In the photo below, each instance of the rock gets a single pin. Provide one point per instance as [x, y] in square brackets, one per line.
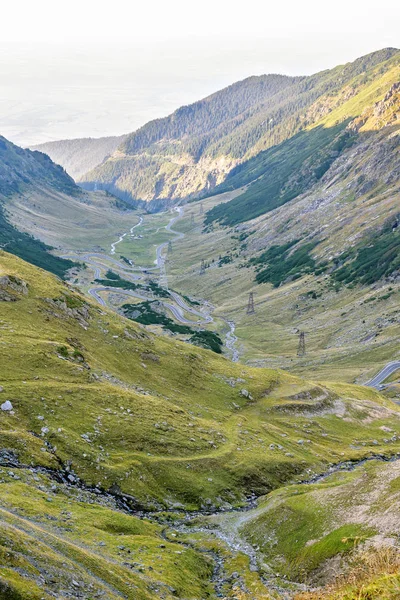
[1, 389]
[11, 288]
[384, 428]
[6, 406]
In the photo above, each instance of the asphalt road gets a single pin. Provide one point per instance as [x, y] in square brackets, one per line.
[177, 310]
[390, 368]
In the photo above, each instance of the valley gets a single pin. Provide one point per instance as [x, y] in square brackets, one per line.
[200, 349]
[182, 310]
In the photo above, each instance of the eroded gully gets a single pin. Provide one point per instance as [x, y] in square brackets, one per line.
[222, 524]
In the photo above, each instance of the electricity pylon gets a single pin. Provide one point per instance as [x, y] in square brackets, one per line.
[250, 305]
[301, 350]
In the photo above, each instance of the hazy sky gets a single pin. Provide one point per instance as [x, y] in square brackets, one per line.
[83, 67]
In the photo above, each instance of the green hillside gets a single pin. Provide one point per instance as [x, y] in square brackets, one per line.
[281, 173]
[325, 262]
[290, 168]
[102, 421]
[22, 171]
[41, 208]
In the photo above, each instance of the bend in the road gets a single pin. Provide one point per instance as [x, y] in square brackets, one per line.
[387, 371]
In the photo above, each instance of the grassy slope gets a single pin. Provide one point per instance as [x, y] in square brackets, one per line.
[349, 333]
[301, 529]
[31, 249]
[373, 574]
[90, 222]
[351, 330]
[184, 392]
[287, 170]
[165, 422]
[56, 539]
[39, 200]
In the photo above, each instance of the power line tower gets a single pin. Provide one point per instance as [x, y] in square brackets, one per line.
[169, 246]
[301, 350]
[202, 267]
[201, 208]
[250, 306]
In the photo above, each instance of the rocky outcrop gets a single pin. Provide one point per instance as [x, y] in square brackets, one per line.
[12, 288]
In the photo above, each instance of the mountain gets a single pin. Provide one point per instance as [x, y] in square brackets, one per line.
[289, 169]
[134, 465]
[316, 240]
[41, 207]
[223, 139]
[24, 172]
[130, 463]
[79, 156]
[20, 168]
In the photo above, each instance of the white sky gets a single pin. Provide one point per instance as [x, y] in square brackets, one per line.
[85, 67]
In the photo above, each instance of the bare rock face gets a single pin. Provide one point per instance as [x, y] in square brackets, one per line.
[11, 288]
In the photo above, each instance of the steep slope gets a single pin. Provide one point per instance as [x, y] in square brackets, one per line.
[81, 155]
[326, 262]
[193, 150]
[23, 172]
[100, 418]
[282, 173]
[316, 526]
[19, 168]
[40, 201]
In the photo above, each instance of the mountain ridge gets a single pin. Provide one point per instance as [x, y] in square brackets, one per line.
[193, 150]
[80, 155]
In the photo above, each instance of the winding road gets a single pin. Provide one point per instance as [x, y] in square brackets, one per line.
[100, 262]
[383, 374]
